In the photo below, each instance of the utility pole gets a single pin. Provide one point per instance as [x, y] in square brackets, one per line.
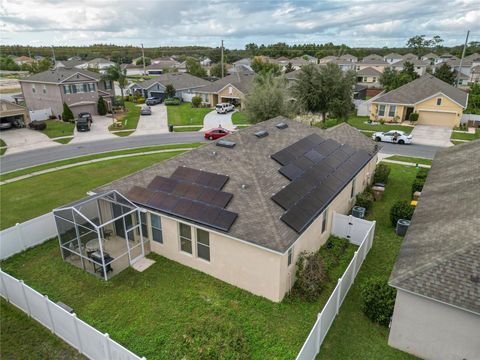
[54, 59]
[221, 62]
[143, 59]
[461, 60]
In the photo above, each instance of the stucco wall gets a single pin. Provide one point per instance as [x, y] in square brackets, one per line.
[400, 112]
[447, 106]
[432, 330]
[230, 92]
[39, 100]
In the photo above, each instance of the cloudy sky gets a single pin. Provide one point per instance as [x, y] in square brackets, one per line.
[158, 23]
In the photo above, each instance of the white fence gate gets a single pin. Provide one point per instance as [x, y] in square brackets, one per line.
[362, 106]
[30, 233]
[86, 339]
[343, 226]
[39, 115]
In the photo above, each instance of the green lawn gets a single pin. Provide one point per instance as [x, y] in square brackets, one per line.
[188, 128]
[50, 165]
[239, 118]
[129, 119]
[26, 199]
[64, 141]
[359, 123]
[23, 338]
[3, 147]
[184, 114]
[409, 159]
[353, 335]
[58, 128]
[465, 136]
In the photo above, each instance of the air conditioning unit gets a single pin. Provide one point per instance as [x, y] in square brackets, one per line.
[358, 212]
[402, 227]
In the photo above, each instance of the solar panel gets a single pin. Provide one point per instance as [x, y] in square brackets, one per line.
[201, 177]
[290, 171]
[314, 156]
[285, 199]
[139, 195]
[185, 173]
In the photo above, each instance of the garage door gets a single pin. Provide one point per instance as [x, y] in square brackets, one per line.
[83, 108]
[437, 118]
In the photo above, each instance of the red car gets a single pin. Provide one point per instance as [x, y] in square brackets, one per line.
[216, 133]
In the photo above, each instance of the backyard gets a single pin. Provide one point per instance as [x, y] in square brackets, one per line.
[185, 114]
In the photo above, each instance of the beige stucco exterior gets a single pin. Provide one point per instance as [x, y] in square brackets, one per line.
[258, 270]
[226, 94]
[378, 67]
[432, 330]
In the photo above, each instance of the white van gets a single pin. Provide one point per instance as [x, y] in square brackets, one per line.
[223, 108]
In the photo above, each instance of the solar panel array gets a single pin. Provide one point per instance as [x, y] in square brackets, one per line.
[319, 169]
[190, 194]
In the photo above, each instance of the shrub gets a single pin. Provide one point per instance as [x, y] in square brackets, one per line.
[172, 101]
[332, 251]
[196, 101]
[101, 106]
[38, 125]
[418, 185]
[170, 91]
[422, 173]
[378, 300]
[365, 199]
[401, 210]
[382, 121]
[67, 114]
[140, 100]
[311, 276]
[381, 173]
[413, 117]
[52, 117]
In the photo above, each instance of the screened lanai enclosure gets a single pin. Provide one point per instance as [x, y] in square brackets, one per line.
[102, 234]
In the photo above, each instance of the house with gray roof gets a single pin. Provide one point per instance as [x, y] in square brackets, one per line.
[437, 272]
[419, 66]
[369, 76]
[244, 208]
[392, 58]
[78, 88]
[432, 58]
[373, 61]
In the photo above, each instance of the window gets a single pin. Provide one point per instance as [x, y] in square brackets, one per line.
[108, 85]
[33, 88]
[374, 79]
[439, 101]
[143, 221]
[44, 89]
[352, 193]
[67, 89]
[91, 87]
[290, 256]
[203, 244]
[185, 238]
[324, 221]
[392, 110]
[381, 110]
[157, 234]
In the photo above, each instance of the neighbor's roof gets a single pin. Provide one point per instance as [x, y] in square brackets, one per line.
[393, 55]
[415, 62]
[240, 80]
[373, 60]
[440, 255]
[430, 56]
[178, 80]
[249, 164]
[59, 75]
[422, 88]
[347, 57]
[72, 63]
[472, 56]
[369, 71]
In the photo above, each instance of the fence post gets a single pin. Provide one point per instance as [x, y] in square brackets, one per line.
[318, 342]
[47, 301]
[339, 284]
[354, 266]
[4, 287]
[107, 344]
[79, 339]
[22, 284]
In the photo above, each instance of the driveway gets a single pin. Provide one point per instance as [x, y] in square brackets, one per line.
[153, 124]
[98, 131]
[432, 135]
[213, 120]
[19, 140]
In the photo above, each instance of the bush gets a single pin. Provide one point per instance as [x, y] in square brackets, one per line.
[381, 173]
[172, 101]
[311, 276]
[332, 251]
[52, 117]
[365, 199]
[418, 185]
[422, 173]
[38, 125]
[382, 121]
[67, 114]
[413, 117]
[170, 91]
[196, 101]
[401, 210]
[378, 300]
[140, 100]
[101, 106]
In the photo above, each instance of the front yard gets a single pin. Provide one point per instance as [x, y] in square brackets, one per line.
[128, 119]
[465, 136]
[185, 114]
[361, 123]
[58, 128]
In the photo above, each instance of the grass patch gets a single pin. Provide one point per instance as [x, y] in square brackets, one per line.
[239, 118]
[365, 339]
[58, 128]
[414, 160]
[359, 122]
[457, 142]
[32, 169]
[10, 90]
[465, 136]
[28, 198]
[188, 128]
[129, 119]
[184, 114]
[64, 141]
[24, 338]
[123, 133]
[3, 147]
[327, 123]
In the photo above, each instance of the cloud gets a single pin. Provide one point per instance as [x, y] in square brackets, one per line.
[202, 22]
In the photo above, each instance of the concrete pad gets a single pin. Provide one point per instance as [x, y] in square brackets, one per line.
[143, 264]
[19, 140]
[432, 135]
[98, 131]
[214, 120]
[156, 123]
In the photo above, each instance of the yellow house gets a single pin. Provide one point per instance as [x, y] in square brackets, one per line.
[435, 102]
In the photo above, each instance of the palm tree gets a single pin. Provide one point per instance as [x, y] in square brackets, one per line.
[115, 73]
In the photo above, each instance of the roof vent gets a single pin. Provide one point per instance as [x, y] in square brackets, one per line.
[226, 144]
[281, 126]
[261, 134]
[244, 186]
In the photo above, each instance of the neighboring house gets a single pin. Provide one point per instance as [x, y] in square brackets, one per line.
[98, 63]
[369, 76]
[373, 61]
[344, 64]
[359, 92]
[239, 68]
[420, 66]
[465, 67]
[78, 58]
[206, 62]
[230, 213]
[446, 57]
[463, 80]
[436, 102]
[21, 60]
[70, 64]
[185, 85]
[165, 64]
[437, 272]
[12, 112]
[432, 58]
[132, 69]
[311, 59]
[475, 74]
[327, 59]
[393, 58]
[232, 89]
[349, 58]
[244, 61]
[78, 88]
[410, 57]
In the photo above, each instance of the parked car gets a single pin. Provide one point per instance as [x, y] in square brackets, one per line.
[83, 123]
[146, 110]
[223, 108]
[216, 133]
[5, 124]
[393, 136]
[153, 101]
[86, 115]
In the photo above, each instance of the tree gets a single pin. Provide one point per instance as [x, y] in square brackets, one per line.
[194, 68]
[148, 61]
[473, 106]
[267, 98]
[391, 79]
[67, 114]
[289, 68]
[196, 101]
[170, 91]
[216, 70]
[388, 79]
[252, 49]
[445, 73]
[115, 73]
[101, 106]
[263, 67]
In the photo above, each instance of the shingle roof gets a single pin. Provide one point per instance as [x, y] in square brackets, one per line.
[249, 164]
[72, 63]
[369, 71]
[422, 88]
[440, 255]
[415, 62]
[240, 80]
[430, 56]
[59, 75]
[374, 60]
[393, 55]
[178, 80]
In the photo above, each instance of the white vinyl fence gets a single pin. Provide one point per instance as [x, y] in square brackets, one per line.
[30, 233]
[467, 117]
[343, 226]
[39, 115]
[86, 339]
[362, 106]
